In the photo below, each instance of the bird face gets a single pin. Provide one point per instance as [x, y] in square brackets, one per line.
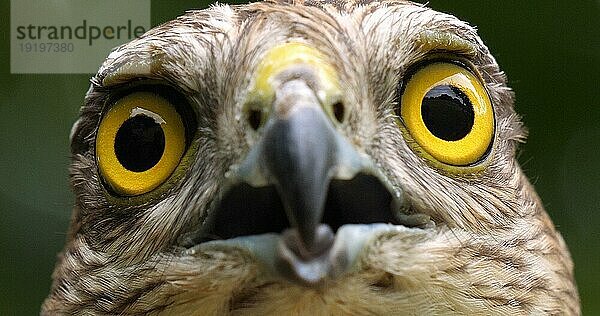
[294, 158]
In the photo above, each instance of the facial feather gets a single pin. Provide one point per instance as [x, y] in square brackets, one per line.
[493, 249]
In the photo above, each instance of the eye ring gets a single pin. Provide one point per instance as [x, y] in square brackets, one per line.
[461, 128]
[139, 143]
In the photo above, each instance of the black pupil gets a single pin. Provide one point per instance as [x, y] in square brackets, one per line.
[140, 143]
[447, 112]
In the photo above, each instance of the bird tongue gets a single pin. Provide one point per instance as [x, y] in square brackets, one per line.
[305, 264]
[292, 241]
[311, 267]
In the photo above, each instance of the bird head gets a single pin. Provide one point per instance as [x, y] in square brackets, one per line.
[293, 158]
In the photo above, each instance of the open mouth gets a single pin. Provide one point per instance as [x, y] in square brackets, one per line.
[355, 210]
[246, 210]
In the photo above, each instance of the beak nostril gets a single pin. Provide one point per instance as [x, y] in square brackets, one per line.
[339, 111]
[254, 118]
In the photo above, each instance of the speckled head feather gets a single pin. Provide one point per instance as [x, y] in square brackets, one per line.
[490, 248]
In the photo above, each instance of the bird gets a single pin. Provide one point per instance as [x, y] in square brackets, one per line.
[306, 157]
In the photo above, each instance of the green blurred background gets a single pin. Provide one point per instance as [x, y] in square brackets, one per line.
[550, 51]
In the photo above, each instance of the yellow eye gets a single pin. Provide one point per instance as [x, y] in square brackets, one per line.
[447, 111]
[140, 142]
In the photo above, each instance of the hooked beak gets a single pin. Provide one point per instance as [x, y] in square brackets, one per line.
[300, 153]
[302, 173]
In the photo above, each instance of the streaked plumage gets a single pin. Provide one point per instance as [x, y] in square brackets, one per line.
[492, 250]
